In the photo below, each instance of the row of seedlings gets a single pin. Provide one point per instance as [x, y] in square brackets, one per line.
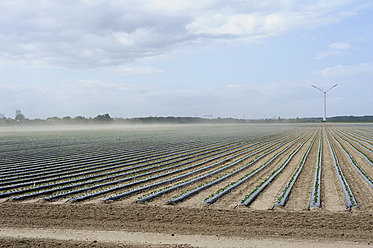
[362, 137]
[132, 191]
[363, 154]
[96, 165]
[71, 157]
[170, 188]
[284, 195]
[45, 159]
[316, 188]
[15, 159]
[223, 177]
[84, 176]
[168, 170]
[157, 193]
[140, 173]
[96, 183]
[69, 161]
[249, 198]
[221, 192]
[148, 161]
[19, 148]
[353, 161]
[349, 197]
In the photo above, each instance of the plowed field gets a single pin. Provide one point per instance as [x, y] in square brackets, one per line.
[250, 182]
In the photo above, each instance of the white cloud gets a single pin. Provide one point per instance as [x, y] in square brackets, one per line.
[132, 70]
[172, 7]
[266, 91]
[362, 69]
[327, 54]
[335, 49]
[253, 20]
[237, 86]
[87, 86]
[255, 25]
[92, 34]
[24, 89]
[71, 88]
[340, 46]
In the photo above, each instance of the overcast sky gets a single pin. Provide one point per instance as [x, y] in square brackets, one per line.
[225, 58]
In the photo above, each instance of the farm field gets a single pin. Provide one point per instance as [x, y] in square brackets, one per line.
[315, 179]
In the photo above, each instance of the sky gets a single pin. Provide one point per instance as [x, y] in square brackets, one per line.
[223, 58]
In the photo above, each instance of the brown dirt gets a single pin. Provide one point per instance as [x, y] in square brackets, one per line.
[267, 199]
[332, 197]
[237, 194]
[33, 223]
[362, 192]
[300, 196]
[240, 223]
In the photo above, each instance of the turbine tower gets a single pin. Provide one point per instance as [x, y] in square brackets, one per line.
[324, 118]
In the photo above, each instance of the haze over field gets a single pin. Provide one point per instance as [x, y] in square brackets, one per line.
[242, 59]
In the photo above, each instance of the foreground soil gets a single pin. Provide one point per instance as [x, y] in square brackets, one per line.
[330, 228]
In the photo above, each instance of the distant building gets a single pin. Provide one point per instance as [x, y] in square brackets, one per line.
[2, 116]
[18, 112]
[19, 116]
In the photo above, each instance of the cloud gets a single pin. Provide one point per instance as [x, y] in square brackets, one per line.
[336, 48]
[87, 87]
[71, 88]
[132, 70]
[251, 20]
[340, 46]
[238, 86]
[362, 69]
[71, 97]
[254, 24]
[91, 34]
[21, 89]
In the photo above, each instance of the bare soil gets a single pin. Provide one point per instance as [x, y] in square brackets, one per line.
[36, 223]
[90, 220]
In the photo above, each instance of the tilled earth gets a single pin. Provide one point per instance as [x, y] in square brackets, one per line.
[37, 223]
[355, 226]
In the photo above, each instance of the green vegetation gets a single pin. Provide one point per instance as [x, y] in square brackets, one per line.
[107, 119]
[153, 160]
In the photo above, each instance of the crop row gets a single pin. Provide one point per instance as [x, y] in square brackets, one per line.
[238, 170]
[110, 176]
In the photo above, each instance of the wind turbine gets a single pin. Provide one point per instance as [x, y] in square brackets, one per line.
[324, 118]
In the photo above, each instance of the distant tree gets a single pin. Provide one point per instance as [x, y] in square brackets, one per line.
[81, 118]
[54, 119]
[103, 118]
[20, 117]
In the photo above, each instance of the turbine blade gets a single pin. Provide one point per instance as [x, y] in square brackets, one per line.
[317, 88]
[331, 87]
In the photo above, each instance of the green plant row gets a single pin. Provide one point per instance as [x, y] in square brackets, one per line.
[158, 176]
[350, 199]
[215, 171]
[220, 168]
[251, 173]
[286, 191]
[274, 173]
[97, 182]
[213, 197]
[316, 186]
[358, 150]
[102, 168]
[354, 163]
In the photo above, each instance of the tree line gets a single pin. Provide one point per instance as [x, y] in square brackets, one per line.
[107, 119]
